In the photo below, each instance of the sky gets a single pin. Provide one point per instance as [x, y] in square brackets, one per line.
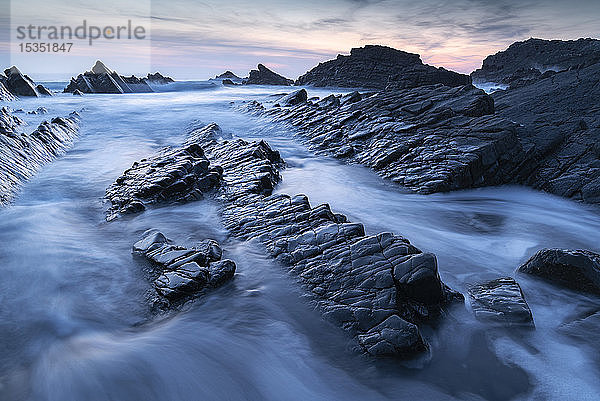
[198, 39]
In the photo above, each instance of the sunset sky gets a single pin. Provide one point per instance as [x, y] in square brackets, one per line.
[196, 40]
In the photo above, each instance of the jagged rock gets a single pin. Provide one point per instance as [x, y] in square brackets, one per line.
[39, 110]
[21, 85]
[21, 154]
[378, 287]
[228, 75]
[5, 95]
[173, 175]
[379, 67]
[159, 79]
[297, 97]
[229, 82]
[575, 269]
[102, 80]
[184, 272]
[500, 301]
[526, 62]
[77, 92]
[264, 76]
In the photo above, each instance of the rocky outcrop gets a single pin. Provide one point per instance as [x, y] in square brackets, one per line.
[179, 174]
[17, 84]
[22, 154]
[429, 139]
[294, 98]
[228, 75]
[102, 80]
[379, 67]
[500, 301]
[229, 82]
[264, 76]
[159, 79]
[575, 269]
[378, 287]
[182, 272]
[528, 61]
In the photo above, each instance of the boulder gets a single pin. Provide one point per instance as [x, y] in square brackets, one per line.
[264, 76]
[43, 91]
[378, 67]
[500, 301]
[184, 272]
[575, 269]
[294, 98]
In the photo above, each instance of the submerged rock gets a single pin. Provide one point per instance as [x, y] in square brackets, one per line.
[184, 272]
[378, 287]
[22, 154]
[500, 301]
[102, 80]
[264, 76]
[179, 174]
[375, 66]
[575, 269]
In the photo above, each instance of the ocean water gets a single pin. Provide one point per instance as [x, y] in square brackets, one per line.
[75, 321]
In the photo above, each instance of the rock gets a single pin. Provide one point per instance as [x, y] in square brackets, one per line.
[294, 98]
[43, 91]
[575, 269]
[5, 95]
[102, 80]
[379, 67]
[184, 272]
[180, 174]
[264, 76]
[159, 79]
[526, 62]
[39, 110]
[229, 82]
[22, 154]
[21, 85]
[500, 301]
[228, 75]
[77, 92]
[379, 287]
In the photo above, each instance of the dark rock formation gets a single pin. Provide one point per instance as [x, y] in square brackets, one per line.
[228, 75]
[294, 98]
[500, 301]
[77, 92]
[173, 175]
[429, 139]
[575, 269]
[264, 76]
[184, 272]
[22, 154]
[102, 80]
[378, 287]
[5, 95]
[159, 79]
[526, 62]
[379, 67]
[20, 85]
[229, 82]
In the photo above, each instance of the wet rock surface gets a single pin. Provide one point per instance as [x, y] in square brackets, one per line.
[103, 80]
[378, 287]
[180, 174]
[15, 84]
[526, 62]
[184, 272]
[379, 67]
[500, 301]
[264, 76]
[575, 269]
[22, 154]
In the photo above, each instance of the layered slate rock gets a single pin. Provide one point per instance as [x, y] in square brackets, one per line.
[575, 269]
[378, 67]
[264, 76]
[526, 62]
[180, 174]
[5, 94]
[500, 301]
[428, 139]
[378, 287]
[18, 84]
[103, 80]
[183, 272]
[22, 154]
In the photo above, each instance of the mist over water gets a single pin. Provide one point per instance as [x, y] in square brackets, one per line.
[76, 323]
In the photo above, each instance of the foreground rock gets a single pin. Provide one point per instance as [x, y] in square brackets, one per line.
[15, 84]
[575, 269]
[529, 61]
[102, 80]
[429, 139]
[500, 301]
[264, 76]
[22, 154]
[179, 174]
[378, 287]
[184, 272]
[379, 67]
